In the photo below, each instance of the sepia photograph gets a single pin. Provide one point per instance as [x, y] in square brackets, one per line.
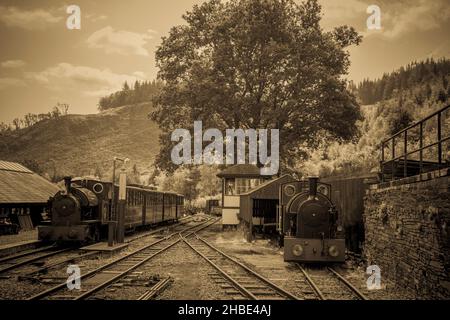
[204, 154]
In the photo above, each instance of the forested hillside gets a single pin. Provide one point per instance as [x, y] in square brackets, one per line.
[141, 92]
[389, 104]
[417, 80]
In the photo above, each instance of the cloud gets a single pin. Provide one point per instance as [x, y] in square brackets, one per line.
[442, 50]
[139, 74]
[85, 80]
[11, 82]
[94, 18]
[119, 41]
[342, 12]
[398, 18]
[28, 19]
[406, 17]
[13, 64]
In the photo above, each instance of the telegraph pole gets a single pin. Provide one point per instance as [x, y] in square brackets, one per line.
[113, 224]
[121, 207]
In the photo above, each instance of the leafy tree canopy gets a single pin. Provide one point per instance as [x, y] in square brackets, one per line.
[256, 64]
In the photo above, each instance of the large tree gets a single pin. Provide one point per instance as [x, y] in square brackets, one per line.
[256, 64]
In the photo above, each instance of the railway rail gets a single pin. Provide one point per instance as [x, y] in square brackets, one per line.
[16, 261]
[327, 284]
[41, 257]
[180, 222]
[25, 253]
[102, 277]
[237, 279]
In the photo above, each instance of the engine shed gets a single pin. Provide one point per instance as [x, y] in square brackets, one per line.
[23, 197]
[258, 207]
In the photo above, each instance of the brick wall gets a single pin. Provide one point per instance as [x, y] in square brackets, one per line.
[407, 233]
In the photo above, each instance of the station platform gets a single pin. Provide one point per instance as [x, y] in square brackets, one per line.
[104, 248]
[13, 248]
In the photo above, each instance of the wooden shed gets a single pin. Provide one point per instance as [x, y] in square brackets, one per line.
[258, 207]
[347, 193]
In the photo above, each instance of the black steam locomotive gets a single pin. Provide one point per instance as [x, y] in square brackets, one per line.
[308, 222]
[82, 211]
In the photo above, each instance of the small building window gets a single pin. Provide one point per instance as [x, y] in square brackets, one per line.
[230, 188]
[240, 185]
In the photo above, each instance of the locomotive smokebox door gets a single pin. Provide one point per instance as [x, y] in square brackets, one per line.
[314, 250]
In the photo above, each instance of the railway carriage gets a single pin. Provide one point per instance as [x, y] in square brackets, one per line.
[135, 207]
[170, 206]
[180, 205]
[82, 211]
[149, 216]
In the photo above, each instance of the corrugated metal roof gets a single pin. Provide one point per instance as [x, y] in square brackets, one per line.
[19, 185]
[13, 166]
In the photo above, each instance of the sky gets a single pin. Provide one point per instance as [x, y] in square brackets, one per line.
[42, 62]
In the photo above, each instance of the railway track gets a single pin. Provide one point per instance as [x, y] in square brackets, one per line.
[41, 258]
[328, 284]
[106, 275]
[180, 222]
[238, 280]
[34, 256]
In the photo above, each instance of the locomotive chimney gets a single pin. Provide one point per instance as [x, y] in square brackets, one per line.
[68, 182]
[313, 186]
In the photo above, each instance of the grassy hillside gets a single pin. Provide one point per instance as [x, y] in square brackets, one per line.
[86, 144]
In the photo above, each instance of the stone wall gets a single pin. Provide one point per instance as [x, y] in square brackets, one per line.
[407, 233]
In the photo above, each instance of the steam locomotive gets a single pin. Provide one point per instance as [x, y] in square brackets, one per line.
[308, 222]
[82, 211]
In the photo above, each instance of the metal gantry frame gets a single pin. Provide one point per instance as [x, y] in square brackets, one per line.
[391, 142]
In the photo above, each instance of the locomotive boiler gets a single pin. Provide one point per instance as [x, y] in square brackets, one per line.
[309, 224]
